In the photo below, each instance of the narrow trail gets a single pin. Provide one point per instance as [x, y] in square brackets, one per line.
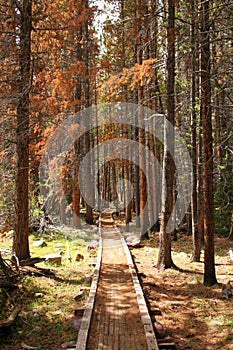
[119, 319]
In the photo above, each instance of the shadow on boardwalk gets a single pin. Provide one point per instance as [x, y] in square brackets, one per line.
[116, 321]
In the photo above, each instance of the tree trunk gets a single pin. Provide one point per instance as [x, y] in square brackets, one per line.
[200, 207]
[141, 132]
[87, 140]
[21, 243]
[114, 187]
[128, 216]
[77, 145]
[230, 237]
[195, 233]
[164, 257]
[76, 188]
[209, 265]
[137, 188]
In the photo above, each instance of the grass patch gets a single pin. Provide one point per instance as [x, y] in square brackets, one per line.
[48, 300]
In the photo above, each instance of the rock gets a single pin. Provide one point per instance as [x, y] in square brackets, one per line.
[79, 296]
[79, 257]
[53, 259]
[68, 344]
[133, 242]
[40, 243]
[159, 330]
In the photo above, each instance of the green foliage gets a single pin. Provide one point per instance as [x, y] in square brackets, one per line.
[35, 207]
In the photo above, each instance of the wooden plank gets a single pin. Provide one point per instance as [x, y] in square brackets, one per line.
[151, 339]
[86, 320]
[145, 317]
[101, 336]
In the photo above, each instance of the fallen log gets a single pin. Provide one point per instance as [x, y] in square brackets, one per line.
[36, 271]
[11, 319]
[31, 261]
[28, 347]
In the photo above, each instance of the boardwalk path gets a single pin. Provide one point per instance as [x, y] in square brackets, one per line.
[118, 322]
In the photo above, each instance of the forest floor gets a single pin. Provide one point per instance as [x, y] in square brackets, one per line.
[194, 316]
[47, 320]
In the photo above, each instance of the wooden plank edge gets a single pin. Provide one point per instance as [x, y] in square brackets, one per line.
[86, 320]
[151, 340]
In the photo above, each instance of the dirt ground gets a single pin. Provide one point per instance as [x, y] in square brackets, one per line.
[194, 316]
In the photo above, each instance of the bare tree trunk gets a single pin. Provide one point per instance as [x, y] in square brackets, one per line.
[114, 187]
[209, 265]
[141, 133]
[76, 189]
[128, 217]
[87, 140]
[21, 243]
[150, 169]
[137, 191]
[164, 257]
[200, 207]
[195, 233]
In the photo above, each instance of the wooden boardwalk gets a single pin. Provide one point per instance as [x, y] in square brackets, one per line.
[116, 316]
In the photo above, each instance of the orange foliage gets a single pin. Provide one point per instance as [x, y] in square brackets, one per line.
[139, 74]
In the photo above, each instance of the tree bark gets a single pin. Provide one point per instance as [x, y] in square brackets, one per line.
[87, 137]
[21, 242]
[209, 264]
[195, 232]
[141, 132]
[164, 257]
[78, 144]
[76, 188]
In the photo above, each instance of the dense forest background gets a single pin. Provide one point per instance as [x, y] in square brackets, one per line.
[174, 57]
